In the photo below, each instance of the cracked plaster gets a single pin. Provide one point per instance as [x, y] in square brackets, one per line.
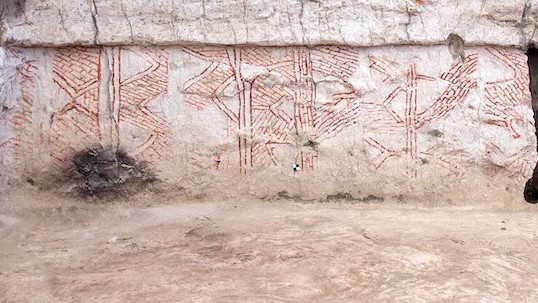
[270, 22]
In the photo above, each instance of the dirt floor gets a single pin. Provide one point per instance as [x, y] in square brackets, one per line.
[66, 250]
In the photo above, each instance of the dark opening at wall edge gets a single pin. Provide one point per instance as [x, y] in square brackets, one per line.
[531, 187]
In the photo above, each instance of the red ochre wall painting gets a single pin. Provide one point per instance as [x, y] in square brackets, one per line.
[21, 81]
[405, 127]
[266, 115]
[272, 105]
[75, 126]
[505, 102]
[78, 72]
[503, 97]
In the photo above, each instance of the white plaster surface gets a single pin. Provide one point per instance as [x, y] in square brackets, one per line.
[270, 22]
[235, 120]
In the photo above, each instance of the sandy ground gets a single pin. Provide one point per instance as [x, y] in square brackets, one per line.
[66, 250]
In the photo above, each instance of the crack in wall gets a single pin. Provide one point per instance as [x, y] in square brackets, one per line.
[62, 22]
[94, 13]
[301, 14]
[408, 23]
[244, 21]
[387, 23]
[525, 20]
[122, 7]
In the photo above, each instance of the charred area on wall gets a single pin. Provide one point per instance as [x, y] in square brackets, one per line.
[531, 187]
[107, 172]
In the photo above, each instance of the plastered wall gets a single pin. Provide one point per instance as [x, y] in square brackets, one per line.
[309, 122]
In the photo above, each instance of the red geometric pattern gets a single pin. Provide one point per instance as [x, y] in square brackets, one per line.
[76, 71]
[270, 102]
[22, 120]
[389, 69]
[136, 92]
[506, 101]
[20, 144]
[521, 162]
[265, 114]
[503, 97]
[460, 82]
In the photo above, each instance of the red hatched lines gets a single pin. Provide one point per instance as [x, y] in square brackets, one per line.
[77, 72]
[201, 89]
[389, 69]
[460, 82]
[270, 113]
[503, 97]
[334, 61]
[74, 69]
[505, 106]
[520, 163]
[136, 92]
[21, 75]
[384, 152]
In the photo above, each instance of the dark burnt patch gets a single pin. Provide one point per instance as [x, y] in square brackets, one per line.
[106, 172]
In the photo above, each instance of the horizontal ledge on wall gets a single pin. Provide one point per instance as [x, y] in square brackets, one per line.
[27, 44]
[265, 22]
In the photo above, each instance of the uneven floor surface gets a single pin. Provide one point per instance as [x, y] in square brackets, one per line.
[67, 250]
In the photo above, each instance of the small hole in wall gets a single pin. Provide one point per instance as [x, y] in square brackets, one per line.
[531, 187]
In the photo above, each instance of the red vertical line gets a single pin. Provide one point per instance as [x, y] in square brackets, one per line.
[113, 101]
[414, 114]
[244, 139]
[407, 110]
[251, 124]
[304, 98]
[231, 60]
[118, 117]
[99, 52]
[239, 77]
[296, 107]
[238, 57]
[116, 100]
[119, 88]
[240, 155]
[113, 80]
[235, 60]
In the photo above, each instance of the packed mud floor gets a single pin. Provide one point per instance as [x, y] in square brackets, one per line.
[244, 250]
